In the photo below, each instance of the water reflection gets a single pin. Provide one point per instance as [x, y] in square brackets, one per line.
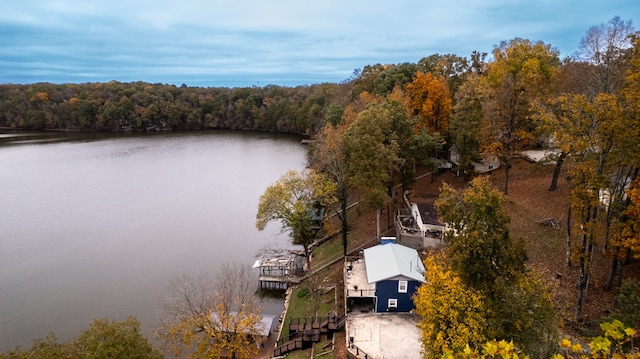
[97, 225]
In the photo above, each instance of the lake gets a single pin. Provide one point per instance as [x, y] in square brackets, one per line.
[96, 226]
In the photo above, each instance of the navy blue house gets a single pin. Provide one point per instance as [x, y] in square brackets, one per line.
[396, 272]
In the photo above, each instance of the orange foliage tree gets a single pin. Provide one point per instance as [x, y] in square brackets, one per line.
[430, 98]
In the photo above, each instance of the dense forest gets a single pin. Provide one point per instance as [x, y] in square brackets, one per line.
[116, 106]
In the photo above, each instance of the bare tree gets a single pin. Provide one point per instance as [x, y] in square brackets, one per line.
[205, 317]
[606, 47]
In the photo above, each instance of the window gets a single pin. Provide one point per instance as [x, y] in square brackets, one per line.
[392, 304]
[402, 286]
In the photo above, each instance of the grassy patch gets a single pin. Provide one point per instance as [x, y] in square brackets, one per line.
[324, 347]
[304, 303]
[299, 354]
[326, 302]
[327, 252]
[301, 303]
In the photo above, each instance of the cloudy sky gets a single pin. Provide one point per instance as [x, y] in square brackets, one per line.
[233, 43]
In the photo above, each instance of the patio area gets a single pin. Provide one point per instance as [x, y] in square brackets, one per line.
[386, 336]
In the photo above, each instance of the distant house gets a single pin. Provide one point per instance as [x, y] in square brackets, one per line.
[418, 225]
[616, 192]
[384, 279]
[232, 320]
[489, 162]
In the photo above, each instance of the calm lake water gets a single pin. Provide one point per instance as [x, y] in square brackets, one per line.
[97, 227]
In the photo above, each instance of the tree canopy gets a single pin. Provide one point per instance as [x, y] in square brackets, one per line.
[297, 200]
[480, 246]
[516, 304]
[103, 339]
[452, 314]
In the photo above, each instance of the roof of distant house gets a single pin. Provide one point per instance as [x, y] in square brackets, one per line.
[390, 261]
[263, 327]
[429, 214]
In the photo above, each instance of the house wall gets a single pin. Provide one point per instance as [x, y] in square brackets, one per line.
[415, 241]
[388, 289]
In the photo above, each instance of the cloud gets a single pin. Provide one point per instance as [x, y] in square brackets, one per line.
[217, 41]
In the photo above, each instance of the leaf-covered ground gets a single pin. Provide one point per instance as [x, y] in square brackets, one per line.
[528, 202]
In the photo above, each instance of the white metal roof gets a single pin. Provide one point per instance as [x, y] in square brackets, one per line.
[263, 328]
[391, 260]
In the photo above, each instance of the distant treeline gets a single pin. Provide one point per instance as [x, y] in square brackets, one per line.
[116, 106]
[137, 106]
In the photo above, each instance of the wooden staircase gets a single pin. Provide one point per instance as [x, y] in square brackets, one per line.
[303, 332]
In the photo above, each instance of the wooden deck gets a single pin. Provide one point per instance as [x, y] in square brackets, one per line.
[306, 331]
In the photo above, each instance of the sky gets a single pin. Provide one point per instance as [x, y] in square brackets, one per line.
[243, 43]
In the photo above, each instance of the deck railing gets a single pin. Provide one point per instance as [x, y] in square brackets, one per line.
[359, 352]
[361, 292]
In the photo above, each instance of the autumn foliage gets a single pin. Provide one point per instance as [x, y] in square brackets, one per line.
[430, 98]
[452, 313]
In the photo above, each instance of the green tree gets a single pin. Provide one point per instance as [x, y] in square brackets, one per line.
[44, 348]
[112, 339]
[524, 312]
[393, 76]
[417, 146]
[371, 153]
[103, 339]
[467, 121]
[627, 304]
[481, 249]
[450, 67]
[518, 305]
[296, 200]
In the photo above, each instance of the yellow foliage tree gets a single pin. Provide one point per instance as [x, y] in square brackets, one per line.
[629, 236]
[452, 314]
[206, 318]
[611, 344]
[520, 74]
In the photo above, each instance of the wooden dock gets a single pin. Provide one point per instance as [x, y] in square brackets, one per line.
[279, 270]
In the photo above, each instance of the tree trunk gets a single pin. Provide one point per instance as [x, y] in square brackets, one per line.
[612, 271]
[305, 245]
[581, 279]
[623, 264]
[507, 164]
[568, 241]
[585, 255]
[556, 172]
[589, 261]
[378, 222]
[388, 217]
[345, 223]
